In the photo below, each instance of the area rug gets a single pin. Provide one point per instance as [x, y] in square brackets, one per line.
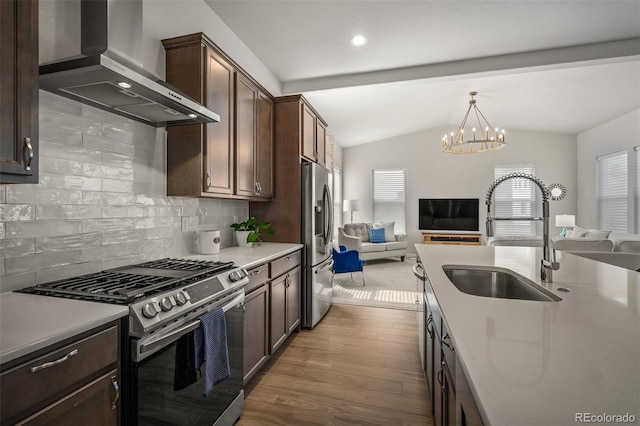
[389, 284]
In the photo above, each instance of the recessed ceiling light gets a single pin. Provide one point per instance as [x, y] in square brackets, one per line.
[358, 40]
[124, 85]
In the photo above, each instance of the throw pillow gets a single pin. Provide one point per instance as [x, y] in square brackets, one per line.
[389, 234]
[376, 235]
[594, 234]
[578, 232]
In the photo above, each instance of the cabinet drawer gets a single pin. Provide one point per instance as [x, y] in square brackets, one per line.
[285, 263]
[50, 376]
[257, 276]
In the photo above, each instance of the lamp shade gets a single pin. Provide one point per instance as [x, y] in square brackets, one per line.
[565, 220]
[351, 206]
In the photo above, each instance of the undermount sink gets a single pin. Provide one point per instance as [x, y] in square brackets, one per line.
[496, 282]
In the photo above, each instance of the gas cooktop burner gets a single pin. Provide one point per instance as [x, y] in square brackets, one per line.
[128, 284]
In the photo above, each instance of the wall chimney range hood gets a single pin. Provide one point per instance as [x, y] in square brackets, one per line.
[91, 51]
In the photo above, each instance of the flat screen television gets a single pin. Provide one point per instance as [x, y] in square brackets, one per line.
[448, 214]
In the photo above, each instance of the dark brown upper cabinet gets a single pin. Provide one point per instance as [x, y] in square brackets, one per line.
[18, 91]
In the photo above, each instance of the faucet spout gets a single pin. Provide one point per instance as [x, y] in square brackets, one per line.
[548, 263]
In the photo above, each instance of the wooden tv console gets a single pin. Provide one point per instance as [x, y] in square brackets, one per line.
[460, 239]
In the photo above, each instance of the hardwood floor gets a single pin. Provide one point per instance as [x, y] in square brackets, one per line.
[359, 366]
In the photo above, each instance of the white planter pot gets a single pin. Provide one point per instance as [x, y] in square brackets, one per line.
[241, 239]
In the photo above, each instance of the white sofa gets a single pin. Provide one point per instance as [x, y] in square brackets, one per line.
[355, 236]
[581, 239]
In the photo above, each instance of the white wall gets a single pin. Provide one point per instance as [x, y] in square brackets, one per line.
[622, 133]
[171, 18]
[430, 173]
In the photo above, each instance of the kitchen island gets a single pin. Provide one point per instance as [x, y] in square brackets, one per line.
[544, 363]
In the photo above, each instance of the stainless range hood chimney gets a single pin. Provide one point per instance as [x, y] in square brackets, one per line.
[91, 51]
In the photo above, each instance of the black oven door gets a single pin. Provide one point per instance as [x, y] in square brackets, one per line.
[155, 402]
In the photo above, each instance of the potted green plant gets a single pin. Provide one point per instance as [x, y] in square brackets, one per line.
[248, 232]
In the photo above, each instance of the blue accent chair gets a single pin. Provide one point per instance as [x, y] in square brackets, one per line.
[347, 261]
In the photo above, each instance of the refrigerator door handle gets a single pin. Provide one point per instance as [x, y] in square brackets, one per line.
[325, 266]
[326, 197]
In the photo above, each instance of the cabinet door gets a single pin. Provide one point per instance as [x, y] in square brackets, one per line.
[438, 385]
[292, 281]
[278, 313]
[308, 133]
[449, 399]
[246, 97]
[321, 148]
[19, 91]
[219, 156]
[256, 331]
[97, 403]
[467, 413]
[429, 355]
[264, 146]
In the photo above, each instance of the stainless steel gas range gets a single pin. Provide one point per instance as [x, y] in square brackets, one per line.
[166, 300]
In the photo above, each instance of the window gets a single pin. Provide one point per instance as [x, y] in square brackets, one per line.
[389, 198]
[337, 201]
[515, 198]
[612, 191]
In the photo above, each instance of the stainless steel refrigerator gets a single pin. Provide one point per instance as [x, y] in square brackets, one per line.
[317, 232]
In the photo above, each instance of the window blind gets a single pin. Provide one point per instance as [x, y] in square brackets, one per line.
[389, 198]
[612, 191]
[515, 198]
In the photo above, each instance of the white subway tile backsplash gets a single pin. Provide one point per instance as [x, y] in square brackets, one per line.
[16, 247]
[58, 135]
[23, 194]
[14, 265]
[68, 242]
[156, 222]
[66, 271]
[48, 180]
[101, 202]
[13, 212]
[79, 154]
[42, 228]
[107, 225]
[107, 198]
[61, 166]
[80, 211]
[106, 145]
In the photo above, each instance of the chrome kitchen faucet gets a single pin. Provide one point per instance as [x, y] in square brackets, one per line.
[548, 262]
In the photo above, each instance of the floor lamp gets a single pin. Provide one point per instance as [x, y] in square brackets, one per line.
[351, 206]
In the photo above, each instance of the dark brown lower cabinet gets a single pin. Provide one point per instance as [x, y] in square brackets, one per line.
[74, 382]
[285, 307]
[467, 413]
[90, 405]
[256, 331]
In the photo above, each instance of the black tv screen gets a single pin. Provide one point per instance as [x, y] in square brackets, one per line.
[448, 214]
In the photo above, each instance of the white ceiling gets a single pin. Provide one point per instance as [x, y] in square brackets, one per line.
[556, 66]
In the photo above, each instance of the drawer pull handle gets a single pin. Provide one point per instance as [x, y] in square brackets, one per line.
[56, 362]
[447, 344]
[29, 148]
[288, 258]
[116, 387]
[255, 272]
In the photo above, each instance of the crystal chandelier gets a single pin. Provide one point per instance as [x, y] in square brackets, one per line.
[483, 138]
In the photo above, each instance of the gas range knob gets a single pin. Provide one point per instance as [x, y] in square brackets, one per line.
[234, 276]
[149, 310]
[181, 299]
[166, 304]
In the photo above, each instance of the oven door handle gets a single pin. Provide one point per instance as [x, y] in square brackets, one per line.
[150, 345]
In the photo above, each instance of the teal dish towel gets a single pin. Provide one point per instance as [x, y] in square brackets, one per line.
[210, 340]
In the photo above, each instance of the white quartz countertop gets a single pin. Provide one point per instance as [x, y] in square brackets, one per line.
[544, 363]
[248, 257]
[30, 322]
